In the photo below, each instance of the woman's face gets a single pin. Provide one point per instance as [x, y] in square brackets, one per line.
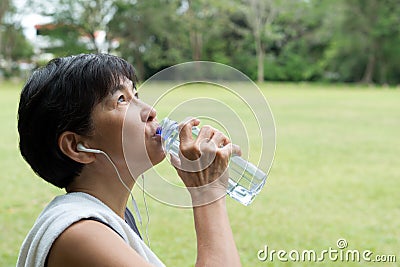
[125, 128]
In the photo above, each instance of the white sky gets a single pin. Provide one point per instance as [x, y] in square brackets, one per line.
[29, 20]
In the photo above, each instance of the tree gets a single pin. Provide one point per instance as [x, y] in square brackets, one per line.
[150, 33]
[87, 18]
[302, 33]
[155, 34]
[200, 18]
[13, 44]
[63, 39]
[260, 15]
[297, 40]
[365, 43]
[4, 7]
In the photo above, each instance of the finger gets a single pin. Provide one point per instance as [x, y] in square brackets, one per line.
[220, 139]
[232, 150]
[206, 133]
[185, 129]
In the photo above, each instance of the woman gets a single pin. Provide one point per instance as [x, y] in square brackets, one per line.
[70, 121]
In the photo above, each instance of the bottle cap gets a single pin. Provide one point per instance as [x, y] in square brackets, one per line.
[159, 130]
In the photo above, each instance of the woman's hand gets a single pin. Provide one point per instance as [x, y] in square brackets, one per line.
[203, 162]
[203, 167]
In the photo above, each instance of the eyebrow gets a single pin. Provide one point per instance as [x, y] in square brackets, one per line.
[121, 87]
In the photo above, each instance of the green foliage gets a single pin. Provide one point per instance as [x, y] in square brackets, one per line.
[365, 42]
[65, 39]
[13, 45]
[75, 24]
[150, 34]
[313, 40]
[4, 7]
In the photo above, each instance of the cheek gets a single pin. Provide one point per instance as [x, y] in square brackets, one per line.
[133, 137]
[109, 132]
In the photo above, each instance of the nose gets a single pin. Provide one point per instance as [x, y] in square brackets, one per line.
[148, 113]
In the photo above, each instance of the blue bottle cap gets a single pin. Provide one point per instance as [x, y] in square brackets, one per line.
[159, 130]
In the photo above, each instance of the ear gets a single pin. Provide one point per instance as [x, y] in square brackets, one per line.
[68, 142]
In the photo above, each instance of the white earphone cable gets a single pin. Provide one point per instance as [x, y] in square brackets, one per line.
[147, 212]
[133, 199]
[126, 187]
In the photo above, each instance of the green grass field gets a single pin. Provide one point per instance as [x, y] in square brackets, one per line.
[335, 175]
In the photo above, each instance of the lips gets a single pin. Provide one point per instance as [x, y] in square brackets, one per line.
[154, 130]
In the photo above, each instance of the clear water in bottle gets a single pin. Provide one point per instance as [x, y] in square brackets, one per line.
[245, 179]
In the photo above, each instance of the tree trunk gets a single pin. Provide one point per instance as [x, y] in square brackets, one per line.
[196, 40]
[139, 66]
[260, 60]
[260, 67]
[4, 5]
[1, 49]
[369, 70]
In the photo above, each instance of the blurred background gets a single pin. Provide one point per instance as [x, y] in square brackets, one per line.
[275, 40]
[330, 70]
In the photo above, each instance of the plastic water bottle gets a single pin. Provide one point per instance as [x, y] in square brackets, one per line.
[245, 179]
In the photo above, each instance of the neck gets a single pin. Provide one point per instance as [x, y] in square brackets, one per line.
[104, 184]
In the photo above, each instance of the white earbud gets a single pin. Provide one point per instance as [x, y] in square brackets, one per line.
[82, 148]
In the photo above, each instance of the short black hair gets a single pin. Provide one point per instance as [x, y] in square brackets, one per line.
[61, 97]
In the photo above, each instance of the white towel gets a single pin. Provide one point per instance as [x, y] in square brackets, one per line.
[62, 212]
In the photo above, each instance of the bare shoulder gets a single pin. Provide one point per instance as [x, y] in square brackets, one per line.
[91, 243]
